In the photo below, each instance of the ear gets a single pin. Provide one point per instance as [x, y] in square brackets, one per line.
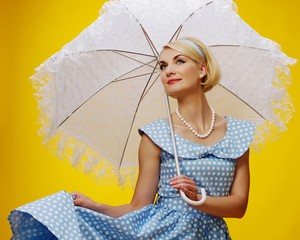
[203, 71]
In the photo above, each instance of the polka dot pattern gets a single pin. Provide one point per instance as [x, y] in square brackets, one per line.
[54, 213]
[55, 217]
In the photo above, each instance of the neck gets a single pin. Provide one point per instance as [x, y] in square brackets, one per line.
[195, 109]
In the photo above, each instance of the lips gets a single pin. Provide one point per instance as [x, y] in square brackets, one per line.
[172, 81]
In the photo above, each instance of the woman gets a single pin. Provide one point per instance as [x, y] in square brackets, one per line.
[213, 153]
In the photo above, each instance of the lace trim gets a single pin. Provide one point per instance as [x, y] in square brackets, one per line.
[281, 106]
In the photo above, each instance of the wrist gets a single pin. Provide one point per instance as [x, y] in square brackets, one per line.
[199, 198]
[99, 207]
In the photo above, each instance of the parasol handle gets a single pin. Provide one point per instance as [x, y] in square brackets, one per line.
[182, 194]
[192, 202]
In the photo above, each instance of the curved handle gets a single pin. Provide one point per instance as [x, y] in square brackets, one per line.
[194, 203]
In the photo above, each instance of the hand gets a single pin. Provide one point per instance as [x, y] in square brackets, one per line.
[83, 201]
[187, 185]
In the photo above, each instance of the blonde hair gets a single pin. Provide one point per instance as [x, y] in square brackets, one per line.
[201, 55]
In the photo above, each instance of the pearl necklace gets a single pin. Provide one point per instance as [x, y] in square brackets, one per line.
[202, 136]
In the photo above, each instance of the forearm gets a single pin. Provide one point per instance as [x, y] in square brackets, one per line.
[146, 187]
[228, 206]
[234, 205]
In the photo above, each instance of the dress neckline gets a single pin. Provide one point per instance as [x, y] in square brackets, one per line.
[203, 145]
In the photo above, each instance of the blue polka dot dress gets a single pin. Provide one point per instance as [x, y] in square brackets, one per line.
[211, 167]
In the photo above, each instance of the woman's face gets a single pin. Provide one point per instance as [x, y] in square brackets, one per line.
[180, 74]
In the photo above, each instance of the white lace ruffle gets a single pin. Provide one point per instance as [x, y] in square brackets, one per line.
[281, 105]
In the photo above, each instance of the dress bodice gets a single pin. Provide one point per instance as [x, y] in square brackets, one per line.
[211, 167]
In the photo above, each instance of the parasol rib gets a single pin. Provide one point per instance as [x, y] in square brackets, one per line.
[133, 59]
[116, 80]
[150, 86]
[135, 76]
[144, 64]
[177, 32]
[134, 116]
[108, 50]
[243, 101]
[151, 44]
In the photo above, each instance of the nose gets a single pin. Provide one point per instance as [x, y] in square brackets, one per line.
[169, 70]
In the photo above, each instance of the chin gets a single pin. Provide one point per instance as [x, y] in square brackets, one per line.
[172, 96]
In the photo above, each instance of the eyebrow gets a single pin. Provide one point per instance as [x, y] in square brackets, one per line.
[173, 58]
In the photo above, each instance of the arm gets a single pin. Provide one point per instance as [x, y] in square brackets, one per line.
[232, 206]
[146, 187]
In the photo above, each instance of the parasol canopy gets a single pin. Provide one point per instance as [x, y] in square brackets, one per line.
[101, 87]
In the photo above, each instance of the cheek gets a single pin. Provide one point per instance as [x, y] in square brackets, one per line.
[192, 73]
[162, 78]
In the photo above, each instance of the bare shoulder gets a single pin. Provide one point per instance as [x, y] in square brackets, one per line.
[221, 124]
[148, 146]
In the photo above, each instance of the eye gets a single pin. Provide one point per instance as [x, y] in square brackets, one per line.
[162, 66]
[180, 61]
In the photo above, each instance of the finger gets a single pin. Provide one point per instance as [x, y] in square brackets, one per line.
[182, 181]
[77, 201]
[191, 195]
[181, 186]
[180, 178]
[191, 188]
[75, 195]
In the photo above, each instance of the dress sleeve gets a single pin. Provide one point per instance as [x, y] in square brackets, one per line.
[241, 136]
[158, 131]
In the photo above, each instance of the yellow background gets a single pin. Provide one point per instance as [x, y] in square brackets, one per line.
[32, 30]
